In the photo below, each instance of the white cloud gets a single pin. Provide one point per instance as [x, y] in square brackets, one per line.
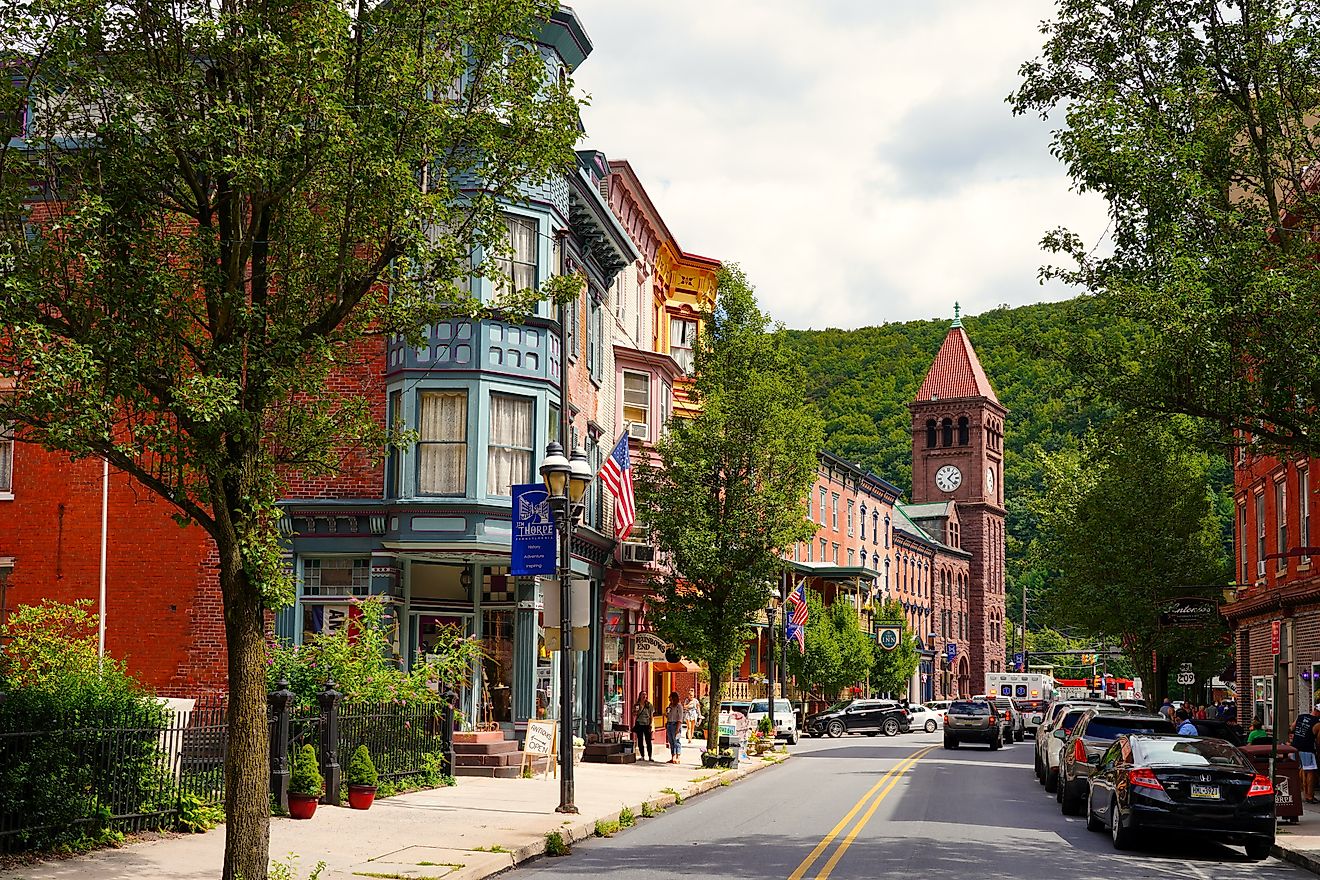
[856, 157]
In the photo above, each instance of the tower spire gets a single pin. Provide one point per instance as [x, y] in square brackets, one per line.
[957, 315]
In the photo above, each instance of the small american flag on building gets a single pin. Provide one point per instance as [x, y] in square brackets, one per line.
[797, 621]
[616, 474]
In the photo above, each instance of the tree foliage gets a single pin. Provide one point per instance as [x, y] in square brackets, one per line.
[726, 497]
[1130, 522]
[837, 653]
[233, 197]
[1196, 121]
[891, 671]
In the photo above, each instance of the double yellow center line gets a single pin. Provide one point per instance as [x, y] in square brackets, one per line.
[876, 794]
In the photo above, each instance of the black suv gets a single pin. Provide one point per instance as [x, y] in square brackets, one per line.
[860, 716]
[973, 721]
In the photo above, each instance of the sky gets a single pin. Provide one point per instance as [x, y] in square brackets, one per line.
[856, 157]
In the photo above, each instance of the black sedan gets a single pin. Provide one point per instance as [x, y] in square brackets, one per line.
[1192, 784]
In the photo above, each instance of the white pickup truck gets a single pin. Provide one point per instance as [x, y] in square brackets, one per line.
[785, 718]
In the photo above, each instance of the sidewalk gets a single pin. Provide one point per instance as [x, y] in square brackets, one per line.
[1300, 843]
[427, 834]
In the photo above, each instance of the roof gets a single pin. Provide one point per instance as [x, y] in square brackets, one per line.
[930, 510]
[956, 371]
[834, 572]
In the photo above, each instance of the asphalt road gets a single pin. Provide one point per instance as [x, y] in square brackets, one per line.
[863, 807]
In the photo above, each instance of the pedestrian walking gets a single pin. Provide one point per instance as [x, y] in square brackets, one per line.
[643, 712]
[1200, 713]
[1303, 740]
[691, 714]
[674, 713]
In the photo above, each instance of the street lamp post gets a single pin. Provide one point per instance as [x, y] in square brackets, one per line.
[770, 679]
[566, 482]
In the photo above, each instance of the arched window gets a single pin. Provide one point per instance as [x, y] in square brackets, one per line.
[962, 431]
[886, 530]
[886, 577]
[875, 527]
[863, 556]
[946, 432]
[863, 524]
[930, 433]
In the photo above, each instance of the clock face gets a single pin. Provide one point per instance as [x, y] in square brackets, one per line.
[948, 478]
[990, 479]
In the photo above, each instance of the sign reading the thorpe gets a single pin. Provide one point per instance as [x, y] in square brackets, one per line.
[533, 543]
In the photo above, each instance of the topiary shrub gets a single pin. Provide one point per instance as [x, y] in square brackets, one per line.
[306, 777]
[361, 770]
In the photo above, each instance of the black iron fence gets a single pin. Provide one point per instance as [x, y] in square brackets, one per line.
[135, 769]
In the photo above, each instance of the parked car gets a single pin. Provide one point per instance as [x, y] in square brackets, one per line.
[1185, 784]
[925, 718]
[860, 716]
[785, 720]
[973, 721]
[1052, 715]
[1219, 729]
[1134, 705]
[1090, 738]
[1051, 752]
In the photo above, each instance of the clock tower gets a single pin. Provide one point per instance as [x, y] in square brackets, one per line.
[958, 455]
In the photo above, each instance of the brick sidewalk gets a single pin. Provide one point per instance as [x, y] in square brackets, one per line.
[444, 832]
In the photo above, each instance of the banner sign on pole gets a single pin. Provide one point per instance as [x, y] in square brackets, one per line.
[951, 651]
[1276, 627]
[533, 550]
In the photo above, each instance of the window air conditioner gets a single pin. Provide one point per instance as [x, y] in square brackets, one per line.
[637, 552]
[1260, 569]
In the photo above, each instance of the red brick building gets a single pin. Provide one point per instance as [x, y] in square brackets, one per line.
[1277, 580]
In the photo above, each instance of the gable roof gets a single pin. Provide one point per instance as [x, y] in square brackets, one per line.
[956, 371]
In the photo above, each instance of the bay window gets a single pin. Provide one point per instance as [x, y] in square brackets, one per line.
[519, 268]
[442, 443]
[637, 404]
[509, 459]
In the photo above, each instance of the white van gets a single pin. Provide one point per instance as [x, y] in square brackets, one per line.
[785, 718]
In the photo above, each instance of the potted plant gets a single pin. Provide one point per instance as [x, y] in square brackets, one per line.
[709, 760]
[305, 784]
[727, 758]
[362, 779]
[579, 749]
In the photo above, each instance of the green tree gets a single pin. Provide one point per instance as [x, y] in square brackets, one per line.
[837, 653]
[891, 671]
[1130, 523]
[240, 199]
[726, 498]
[1195, 121]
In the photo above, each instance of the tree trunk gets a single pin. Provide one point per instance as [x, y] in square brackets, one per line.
[247, 755]
[713, 716]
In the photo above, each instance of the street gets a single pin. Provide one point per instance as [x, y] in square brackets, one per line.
[848, 809]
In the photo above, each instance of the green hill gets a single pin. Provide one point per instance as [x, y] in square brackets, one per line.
[862, 381]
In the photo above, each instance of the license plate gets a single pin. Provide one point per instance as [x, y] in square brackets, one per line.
[1207, 792]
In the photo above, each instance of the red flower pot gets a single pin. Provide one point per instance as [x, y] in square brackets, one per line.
[302, 806]
[361, 796]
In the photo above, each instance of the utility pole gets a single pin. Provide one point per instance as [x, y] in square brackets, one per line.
[1024, 626]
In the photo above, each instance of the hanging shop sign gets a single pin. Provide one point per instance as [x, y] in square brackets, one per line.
[533, 541]
[649, 648]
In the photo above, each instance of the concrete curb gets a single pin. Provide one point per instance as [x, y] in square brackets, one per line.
[585, 828]
[1300, 858]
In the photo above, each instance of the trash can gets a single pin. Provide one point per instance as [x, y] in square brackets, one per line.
[1287, 778]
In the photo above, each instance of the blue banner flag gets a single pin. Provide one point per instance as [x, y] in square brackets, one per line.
[533, 550]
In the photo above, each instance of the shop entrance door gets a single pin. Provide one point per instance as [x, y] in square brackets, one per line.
[433, 629]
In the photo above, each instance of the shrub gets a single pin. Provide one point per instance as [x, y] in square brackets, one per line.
[627, 818]
[554, 844]
[306, 777]
[764, 727]
[361, 771]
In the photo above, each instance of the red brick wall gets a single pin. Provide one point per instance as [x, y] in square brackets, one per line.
[162, 598]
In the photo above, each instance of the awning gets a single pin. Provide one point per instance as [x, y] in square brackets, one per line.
[683, 665]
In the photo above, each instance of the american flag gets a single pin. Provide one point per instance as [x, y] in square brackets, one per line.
[797, 622]
[616, 474]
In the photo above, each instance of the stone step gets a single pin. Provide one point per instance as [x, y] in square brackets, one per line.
[602, 749]
[501, 747]
[502, 759]
[621, 758]
[490, 772]
[479, 736]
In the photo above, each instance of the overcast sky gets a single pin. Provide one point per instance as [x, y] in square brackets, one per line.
[855, 156]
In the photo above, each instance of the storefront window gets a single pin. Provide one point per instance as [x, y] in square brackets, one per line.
[1262, 687]
[497, 667]
[613, 679]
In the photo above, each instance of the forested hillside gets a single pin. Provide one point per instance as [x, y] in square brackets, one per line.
[863, 379]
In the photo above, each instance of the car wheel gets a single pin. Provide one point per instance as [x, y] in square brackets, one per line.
[1059, 787]
[1051, 780]
[1123, 837]
[995, 744]
[1093, 822]
[930, 726]
[1258, 849]
[835, 729]
[950, 743]
[1040, 777]
[1069, 802]
[793, 738]
[891, 727]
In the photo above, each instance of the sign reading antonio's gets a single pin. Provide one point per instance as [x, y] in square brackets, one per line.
[533, 543]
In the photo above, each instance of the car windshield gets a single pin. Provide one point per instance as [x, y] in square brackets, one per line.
[840, 706]
[1110, 726]
[764, 706]
[963, 708]
[1189, 753]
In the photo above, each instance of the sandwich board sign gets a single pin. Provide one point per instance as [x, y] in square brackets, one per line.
[540, 743]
